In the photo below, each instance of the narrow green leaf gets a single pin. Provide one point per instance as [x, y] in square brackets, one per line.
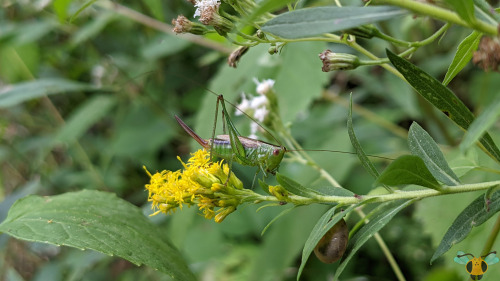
[313, 21]
[485, 8]
[266, 6]
[327, 221]
[295, 187]
[422, 145]
[442, 98]
[21, 92]
[367, 231]
[300, 190]
[464, 8]
[84, 117]
[284, 212]
[482, 123]
[408, 169]
[99, 221]
[61, 8]
[473, 215]
[367, 164]
[81, 9]
[463, 55]
[92, 28]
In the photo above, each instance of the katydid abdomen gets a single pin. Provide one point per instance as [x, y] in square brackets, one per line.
[252, 152]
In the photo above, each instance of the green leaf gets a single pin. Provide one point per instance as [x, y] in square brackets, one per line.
[473, 215]
[482, 123]
[442, 98]
[266, 6]
[22, 92]
[84, 117]
[408, 169]
[464, 8]
[300, 190]
[61, 8]
[99, 221]
[422, 145]
[313, 21]
[367, 164]
[367, 231]
[485, 9]
[327, 221]
[81, 9]
[93, 28]
[164, 45]
[463, 55]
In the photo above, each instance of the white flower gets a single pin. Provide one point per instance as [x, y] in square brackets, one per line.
[265, 86]
[254, 127]
[258, 102]
[260, 114]
[243, 106]
[202, 5]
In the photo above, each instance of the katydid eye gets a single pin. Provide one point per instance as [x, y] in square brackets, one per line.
[333, 244]
[276, 152]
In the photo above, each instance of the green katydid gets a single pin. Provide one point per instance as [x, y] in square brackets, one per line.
[234, 147]
[243, 150]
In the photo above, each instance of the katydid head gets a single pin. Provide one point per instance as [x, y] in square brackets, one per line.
[273, 161]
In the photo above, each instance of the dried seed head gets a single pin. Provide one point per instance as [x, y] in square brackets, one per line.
[488, 54]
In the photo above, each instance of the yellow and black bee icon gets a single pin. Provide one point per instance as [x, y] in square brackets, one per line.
[476, 267]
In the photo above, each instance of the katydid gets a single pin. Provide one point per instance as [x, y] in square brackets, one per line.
[234, 147]
[243, 150]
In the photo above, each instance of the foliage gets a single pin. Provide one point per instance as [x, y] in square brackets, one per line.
[88, 94]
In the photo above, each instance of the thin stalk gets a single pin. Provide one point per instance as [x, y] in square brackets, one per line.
[367, 114]
[385, 250]
[397, 195]
[491, 238]
[302, 156]
[163, 27]
[439, 13]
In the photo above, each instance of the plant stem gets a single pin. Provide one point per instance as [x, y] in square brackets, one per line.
[397, 195]
[385, 249]
[163, 27]
[368, 115]
[491, 238]
[439, 13]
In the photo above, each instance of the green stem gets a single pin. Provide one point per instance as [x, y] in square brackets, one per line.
[161, 26]
[439, 13]
[397, 195]
[421, 43]
[491, 238]
[388, 255]
[301, 156]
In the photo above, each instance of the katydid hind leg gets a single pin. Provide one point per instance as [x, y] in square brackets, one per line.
[236, 145]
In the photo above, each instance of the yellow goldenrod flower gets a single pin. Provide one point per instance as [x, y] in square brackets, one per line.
[202, 182]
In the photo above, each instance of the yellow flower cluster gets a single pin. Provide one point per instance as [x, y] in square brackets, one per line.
[202, 182]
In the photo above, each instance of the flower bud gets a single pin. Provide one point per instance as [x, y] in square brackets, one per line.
[223, 213]
[363, 31]
[487, 55]
[335, 61]
[183, 25]
[279, 192]
[209, 15]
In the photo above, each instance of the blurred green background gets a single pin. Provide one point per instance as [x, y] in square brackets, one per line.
[134, 77]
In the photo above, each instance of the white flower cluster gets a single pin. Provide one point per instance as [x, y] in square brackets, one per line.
[257, 106]
[202, 5]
